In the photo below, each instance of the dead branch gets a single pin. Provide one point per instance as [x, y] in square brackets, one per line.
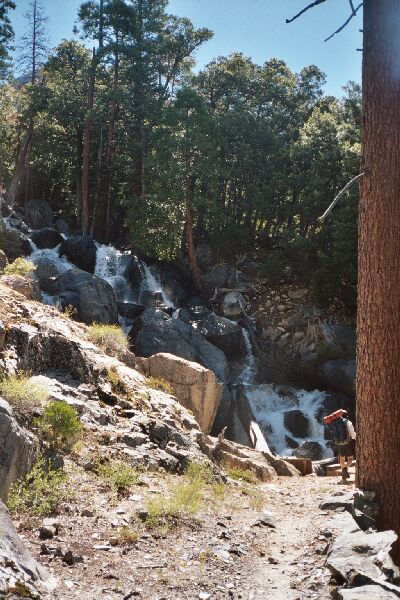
[353, 14]
[340, 194]
[307, 8]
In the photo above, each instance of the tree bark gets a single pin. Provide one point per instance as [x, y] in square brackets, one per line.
[111, 142]
[191, 248]
[14, 188]
[378, 352]
[87, 135]
[28, 168]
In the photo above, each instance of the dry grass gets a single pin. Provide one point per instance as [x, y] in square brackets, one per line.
[20, 266]
[159, 384]
[108, 337]
[22, 392]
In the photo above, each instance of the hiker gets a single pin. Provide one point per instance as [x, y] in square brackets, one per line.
[343, 435]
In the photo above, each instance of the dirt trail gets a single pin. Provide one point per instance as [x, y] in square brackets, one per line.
[266, 546]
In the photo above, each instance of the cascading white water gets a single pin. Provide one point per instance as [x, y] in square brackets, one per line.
[269, 407]
[110, 266]
[151, 284]
[249, 364]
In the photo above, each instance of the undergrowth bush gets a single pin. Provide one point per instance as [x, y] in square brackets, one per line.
[158, 384]
[110, 338]
[118, 476]
[59, 426]
[118, 385]
[21, 391]
[185, 501]
[240, 474]
[40, 492]
[20, 266]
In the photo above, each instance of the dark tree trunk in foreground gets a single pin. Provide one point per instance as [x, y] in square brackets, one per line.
[378, 358]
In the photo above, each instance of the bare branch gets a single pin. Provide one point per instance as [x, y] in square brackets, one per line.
[352, 7]
[353, 14]
[340, 194]
[315, 3]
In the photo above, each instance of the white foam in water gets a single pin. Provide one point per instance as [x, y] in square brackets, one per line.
[247, 374]
[269, 408]
[152, 284]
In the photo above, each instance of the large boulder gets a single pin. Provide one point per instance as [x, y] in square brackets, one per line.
[92, 298]
[206, 257]
[219, 331]
[221, 276]
[339, 374]
[38, 214]
[194, 386]
[296, 423]
[26, 286]
[154, 332]
[174, 283]
[48, 270]
[17, 449]
[134, 271]
[233, 305]
[81, 251]
[311, 450]
[46, 238]
[18, 569]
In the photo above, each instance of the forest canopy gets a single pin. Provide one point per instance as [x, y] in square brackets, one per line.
[251, 154]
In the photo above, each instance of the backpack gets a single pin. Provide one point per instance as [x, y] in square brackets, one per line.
[339, 431]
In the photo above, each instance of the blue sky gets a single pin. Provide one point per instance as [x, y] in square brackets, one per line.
[255, 27]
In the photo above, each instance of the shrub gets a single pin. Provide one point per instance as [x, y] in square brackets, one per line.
[118, 476]
[272, 268]
[22, 392]
[117, 384]
[240, 474]
[108, 337]
[20, 266]
[159, 384]
[59, 426]
[186, 500]
[40, 492]
[126, 535]
[199, 471]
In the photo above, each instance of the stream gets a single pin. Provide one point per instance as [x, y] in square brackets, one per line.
[287, 419]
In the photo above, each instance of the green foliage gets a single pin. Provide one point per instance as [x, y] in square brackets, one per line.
[20, 266]
[200, 471]
[241, 474]
[40, 493]
[185, 501]
[117, 384]
[272, 268]
[108, 337]
[22, 392]
[155, 383]
[118, 476]
[59, 426]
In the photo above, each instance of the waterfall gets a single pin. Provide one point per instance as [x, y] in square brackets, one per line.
[247, 374]
[151, 284]
[269, 407]
[110, 266]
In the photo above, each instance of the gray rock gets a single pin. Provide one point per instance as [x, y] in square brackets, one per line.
[38, 214]
[311, 450]
[357, 555]
[367, 592]
[339, 374]
[134, 439]
[81, 251]
[155, 332]
[338, 501]
[205, 256]
[233, 305]
[221, 276]
[93, 298]
[297, 423]
[16, 564]
[62, 226]
[222, 333]
[46, 238]
[18, 449]
[48, 271]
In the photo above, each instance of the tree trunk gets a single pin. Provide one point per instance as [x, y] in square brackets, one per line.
[87, 135]
[191, 249]
[13, 190]
[111, 145]
[28, 168]
[378, 352]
